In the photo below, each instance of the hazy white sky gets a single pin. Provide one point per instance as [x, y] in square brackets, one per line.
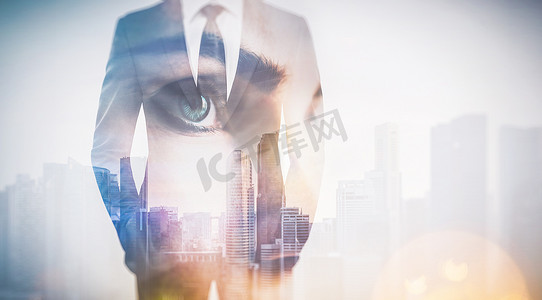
[416, 63]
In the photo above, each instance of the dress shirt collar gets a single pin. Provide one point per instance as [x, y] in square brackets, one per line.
[191, 8]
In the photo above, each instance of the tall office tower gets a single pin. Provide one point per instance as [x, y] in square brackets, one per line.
[102, 178]
[520, 183]
[129, 197]
[386, 175]
[458, 174]
[356, 206]
[270, 192]
[197, 234]
[109, 190]
[26, 235]
[240, 225]
[240, 211]
[386, 179]
[68, 189]
[114, 196]
[129, 194]
[133, 214]
[295, 229]
[363, 236]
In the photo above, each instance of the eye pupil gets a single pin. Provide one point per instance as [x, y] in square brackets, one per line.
[198, 112]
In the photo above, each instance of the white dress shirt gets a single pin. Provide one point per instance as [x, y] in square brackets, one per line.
[229, 23]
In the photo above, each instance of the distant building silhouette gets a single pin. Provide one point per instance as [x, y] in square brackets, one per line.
[165, 232]
[44, 230]
[520, 183]
[132, 228]
[386, 176]
[386, 181]
[197, 231]
[26, 235]
[356, 205]
[109, 189]
[458, 174]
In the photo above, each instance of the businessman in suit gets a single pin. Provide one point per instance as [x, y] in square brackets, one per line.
[210, 76]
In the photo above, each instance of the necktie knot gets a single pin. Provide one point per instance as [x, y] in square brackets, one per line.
[211, 11]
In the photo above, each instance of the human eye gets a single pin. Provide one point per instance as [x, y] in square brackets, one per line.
[182, 107]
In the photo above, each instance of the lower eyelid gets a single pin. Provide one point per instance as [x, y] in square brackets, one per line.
[162, 104]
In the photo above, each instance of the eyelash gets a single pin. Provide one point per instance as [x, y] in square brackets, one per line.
[164, 101]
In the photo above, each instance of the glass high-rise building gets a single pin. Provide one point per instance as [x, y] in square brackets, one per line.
[239, 231]
[295, 229]
[240, 216]
[356, 205]
[270, 192]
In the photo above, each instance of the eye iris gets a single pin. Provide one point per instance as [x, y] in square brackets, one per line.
[198, 113]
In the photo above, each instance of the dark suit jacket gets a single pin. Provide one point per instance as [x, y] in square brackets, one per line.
[148, 67]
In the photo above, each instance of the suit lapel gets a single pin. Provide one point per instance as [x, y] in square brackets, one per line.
[174, 45]
[245, 67]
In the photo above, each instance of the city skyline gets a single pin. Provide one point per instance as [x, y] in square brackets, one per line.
[256, 234]
[366, 198]
[417, 64]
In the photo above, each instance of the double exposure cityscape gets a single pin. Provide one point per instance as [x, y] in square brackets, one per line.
[258, 239]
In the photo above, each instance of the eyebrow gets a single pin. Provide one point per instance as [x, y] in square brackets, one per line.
[266, 77]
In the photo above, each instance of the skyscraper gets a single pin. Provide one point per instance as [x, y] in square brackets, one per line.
[109, 189]
[132, 226]
[102, 178]
[362, 234]
[295, 229]
[520, 183]
[356, 205]
[129, 198]
[239, 227]
[27, 235]
[458, 174]
[129, 195]
[386, 179]
[240, 211]
[270, 192]
[386, 176]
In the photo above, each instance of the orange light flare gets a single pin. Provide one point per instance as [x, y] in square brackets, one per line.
[451, 265]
